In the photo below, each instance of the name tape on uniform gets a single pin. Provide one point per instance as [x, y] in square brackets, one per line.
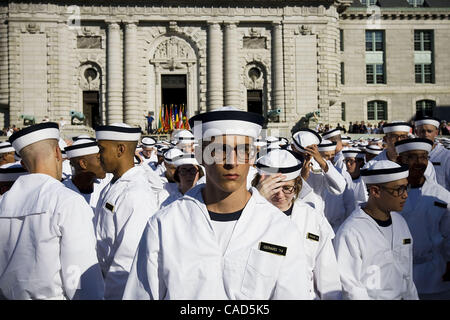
[312, 236]
[406, 241]
[109, 206]
[272, 248]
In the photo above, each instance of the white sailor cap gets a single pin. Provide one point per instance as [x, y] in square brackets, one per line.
[331, 133]
[161, 150]
[17, 156]
[284, 141]
[171, 154]
[383, 171]
[373, 149]
[6, 147]
[185, 158]
[327, 145]
[33, 134]
[148, 142]
[427, 120]
[226, 121]
[413, 144]
[118, 132]
[279, 161]
[82, 147]
[11, 172]
[346, 138]
[397, 126]
[184, 137]
[305, 138]
[353, 153]
[82, 136]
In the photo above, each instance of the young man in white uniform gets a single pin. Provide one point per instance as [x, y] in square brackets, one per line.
[397, 131]
[428, 128]
[374, 246]
[125, 205]
[428, 216]
[221, 241]
[46, 234]
[88, 178]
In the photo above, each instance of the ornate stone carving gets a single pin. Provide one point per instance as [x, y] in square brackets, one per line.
[174, 48]
[255, 43]
[33, 28]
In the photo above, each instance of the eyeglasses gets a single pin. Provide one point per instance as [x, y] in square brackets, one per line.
[191, 171]
[396, 192]
[221, 152]
[288, 189]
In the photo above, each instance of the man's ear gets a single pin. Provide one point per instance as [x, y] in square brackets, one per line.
[58, 153]
[121, 149]
[82, 163]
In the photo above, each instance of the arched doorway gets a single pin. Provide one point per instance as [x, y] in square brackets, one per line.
[174, 74]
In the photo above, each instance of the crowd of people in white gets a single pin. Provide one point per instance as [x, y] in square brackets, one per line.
[221, 212]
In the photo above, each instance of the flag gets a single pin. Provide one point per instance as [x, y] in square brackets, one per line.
[166, 120]
[177, 120]
[160, 120]
[171, 118]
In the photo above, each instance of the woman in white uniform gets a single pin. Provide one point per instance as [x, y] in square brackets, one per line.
[280, 183]
[374, 246]
[220, 240]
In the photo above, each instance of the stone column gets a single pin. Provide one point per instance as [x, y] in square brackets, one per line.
[277, 66]
[215, 67]
[231, 65]
[114, 112]
[132, 111]
[63, 104]
[4, 75]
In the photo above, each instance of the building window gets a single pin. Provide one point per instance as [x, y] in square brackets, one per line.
[343, 111]
[423, 56]
[416, 3]
[424, 73]
[342, 73]
[341, 39]
[368, 2]
[375, 73]
[374, 40]
[425, 107]
[423, 40]
[377, 110]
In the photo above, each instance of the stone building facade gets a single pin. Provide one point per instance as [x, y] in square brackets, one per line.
[116, 60]
[400, 54]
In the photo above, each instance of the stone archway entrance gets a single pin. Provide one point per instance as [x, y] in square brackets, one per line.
[174, 74]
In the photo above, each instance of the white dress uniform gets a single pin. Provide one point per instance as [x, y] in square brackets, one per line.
[120, 217]
[263, 260]
[428, 216]
[371, 266]
[440, 158]
[308, 196]
[91, 198]
[323, 271]
[48, 242]
[66, 169]
[330, 186]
